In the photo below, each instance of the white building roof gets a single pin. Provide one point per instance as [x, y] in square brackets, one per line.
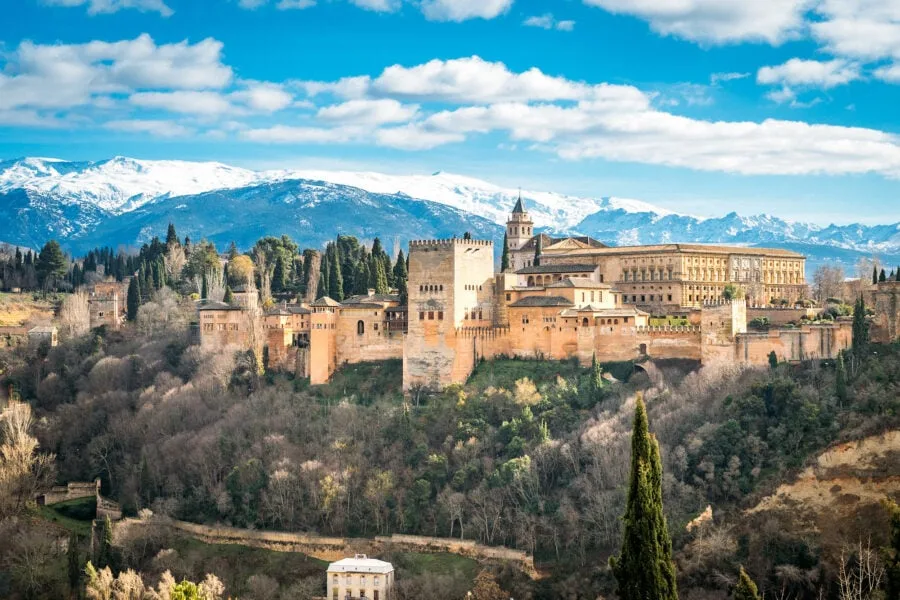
[360, 564]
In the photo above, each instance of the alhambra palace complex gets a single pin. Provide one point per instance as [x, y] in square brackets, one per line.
[583, 299]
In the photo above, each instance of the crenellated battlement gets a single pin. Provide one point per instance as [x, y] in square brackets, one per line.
[483, 332]
[667, 329]
[425, 245]
[721, 302]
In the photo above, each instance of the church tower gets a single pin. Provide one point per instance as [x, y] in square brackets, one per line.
[519, 227]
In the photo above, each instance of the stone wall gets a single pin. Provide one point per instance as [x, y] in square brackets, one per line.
[72, 491]
[885, 299]
[780, 316]
[362, 336]
[809, 342]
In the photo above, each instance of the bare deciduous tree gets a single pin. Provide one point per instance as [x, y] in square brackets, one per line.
[860, 581]
[75, 315]
[22, 470]
[828, 283]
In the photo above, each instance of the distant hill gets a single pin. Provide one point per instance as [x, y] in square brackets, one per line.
[123, 201]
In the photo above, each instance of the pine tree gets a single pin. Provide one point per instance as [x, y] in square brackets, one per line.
[745, 588]
[171, 236]
[335, 279]
[882, 276]
[133, 301]
[840, 379]
[644, 569]
[73, 563]
[229, 295]
[51, 265]
[504, 258]
[538, 250]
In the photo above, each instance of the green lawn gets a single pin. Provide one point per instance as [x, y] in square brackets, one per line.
[73, 515]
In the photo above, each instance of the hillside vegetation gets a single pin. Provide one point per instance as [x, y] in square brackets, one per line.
[532, 455]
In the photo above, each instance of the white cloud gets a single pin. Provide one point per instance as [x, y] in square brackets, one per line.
[264, 97]
[889, 73]
[716, 21]
[547, 21]
[467, 80]
[782, 95]
[66, 75]
[368, 112]
[284, 134]
[189, 102]
[812, 73]
[717, 78]
[295, 4]
[865, 29]
[96, 7]
[156, 128]
[463, 10]
[414, 137]
[377, 5]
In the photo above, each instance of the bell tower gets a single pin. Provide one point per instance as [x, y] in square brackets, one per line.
[519, 227]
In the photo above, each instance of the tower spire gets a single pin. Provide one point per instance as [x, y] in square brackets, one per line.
[519, 208]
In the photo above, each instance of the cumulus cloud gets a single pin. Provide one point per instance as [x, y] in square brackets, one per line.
[96, 7]
[865, 29]
[716, 21]
[463, 10]
[156, 128]
[377, 5]
[264, 97]
[189, 102]
[813, 73]
[368, 112]
[465, 80]
[548, 21]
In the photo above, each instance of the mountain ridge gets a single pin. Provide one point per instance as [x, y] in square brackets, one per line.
[75, 200]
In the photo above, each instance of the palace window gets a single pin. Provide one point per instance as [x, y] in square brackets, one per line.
[440, 315]
[431, 315]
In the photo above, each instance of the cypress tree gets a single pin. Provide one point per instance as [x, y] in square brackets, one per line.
[874, 275]
[882, 276]
[104, 559]
[322, 287]
[400, 279]
[860, 327]
[379, 277]
[840, 379]
[279, 276]
[73, 563]
[644, 569]
[133, 301]
[204, 288]
[745, 588]
[504, 258]
[596, 386]
[898, 274]
[773, 360]
[171, 236]
[324, 269]
[538, 250]
[229, 295]
[335, 279]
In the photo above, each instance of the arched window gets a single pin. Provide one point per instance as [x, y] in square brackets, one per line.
[360, 328]
[531, 282]
[585, 322]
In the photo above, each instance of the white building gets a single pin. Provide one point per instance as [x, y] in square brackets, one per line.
[360, 577]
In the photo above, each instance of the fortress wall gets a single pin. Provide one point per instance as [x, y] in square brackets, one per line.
[886, 301]
[375, 343]
[322, 347]
[794, 344]
[780, 316]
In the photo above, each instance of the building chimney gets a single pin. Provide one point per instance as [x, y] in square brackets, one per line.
[371, 292]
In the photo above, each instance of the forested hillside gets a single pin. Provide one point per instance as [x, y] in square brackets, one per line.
[532, 455]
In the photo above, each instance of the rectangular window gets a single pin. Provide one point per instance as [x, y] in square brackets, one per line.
[670, 297]
[431, 315]
[508, 297]
[421, 316]
[440, 315]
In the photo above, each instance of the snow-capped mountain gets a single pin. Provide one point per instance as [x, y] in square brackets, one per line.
[88, 203]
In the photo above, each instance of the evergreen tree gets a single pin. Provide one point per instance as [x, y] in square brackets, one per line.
[335, 278]
[400, 279]
[745, 588]
[121, 267]
[104, 556]
[279, 275]
[171, 236]
[596, 385]
[898, 274]
[229, 295]
[860, 327]
[882, 276]
[204, 288]
[504, 258]
[73, 563]
[18, 258]
[324, 269]
[891, 553]
[51, 265]
[322, 289]
[379, 277]
[467, 236]
[874, 275]
[840, 379]
[133, 301]
[773, 360]
[644, 570]
[232, 251]
[538, 250]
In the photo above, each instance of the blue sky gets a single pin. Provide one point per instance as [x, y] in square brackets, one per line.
[701, 106]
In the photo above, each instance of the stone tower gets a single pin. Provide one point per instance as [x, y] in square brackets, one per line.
[450, 287]
[519, 227]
